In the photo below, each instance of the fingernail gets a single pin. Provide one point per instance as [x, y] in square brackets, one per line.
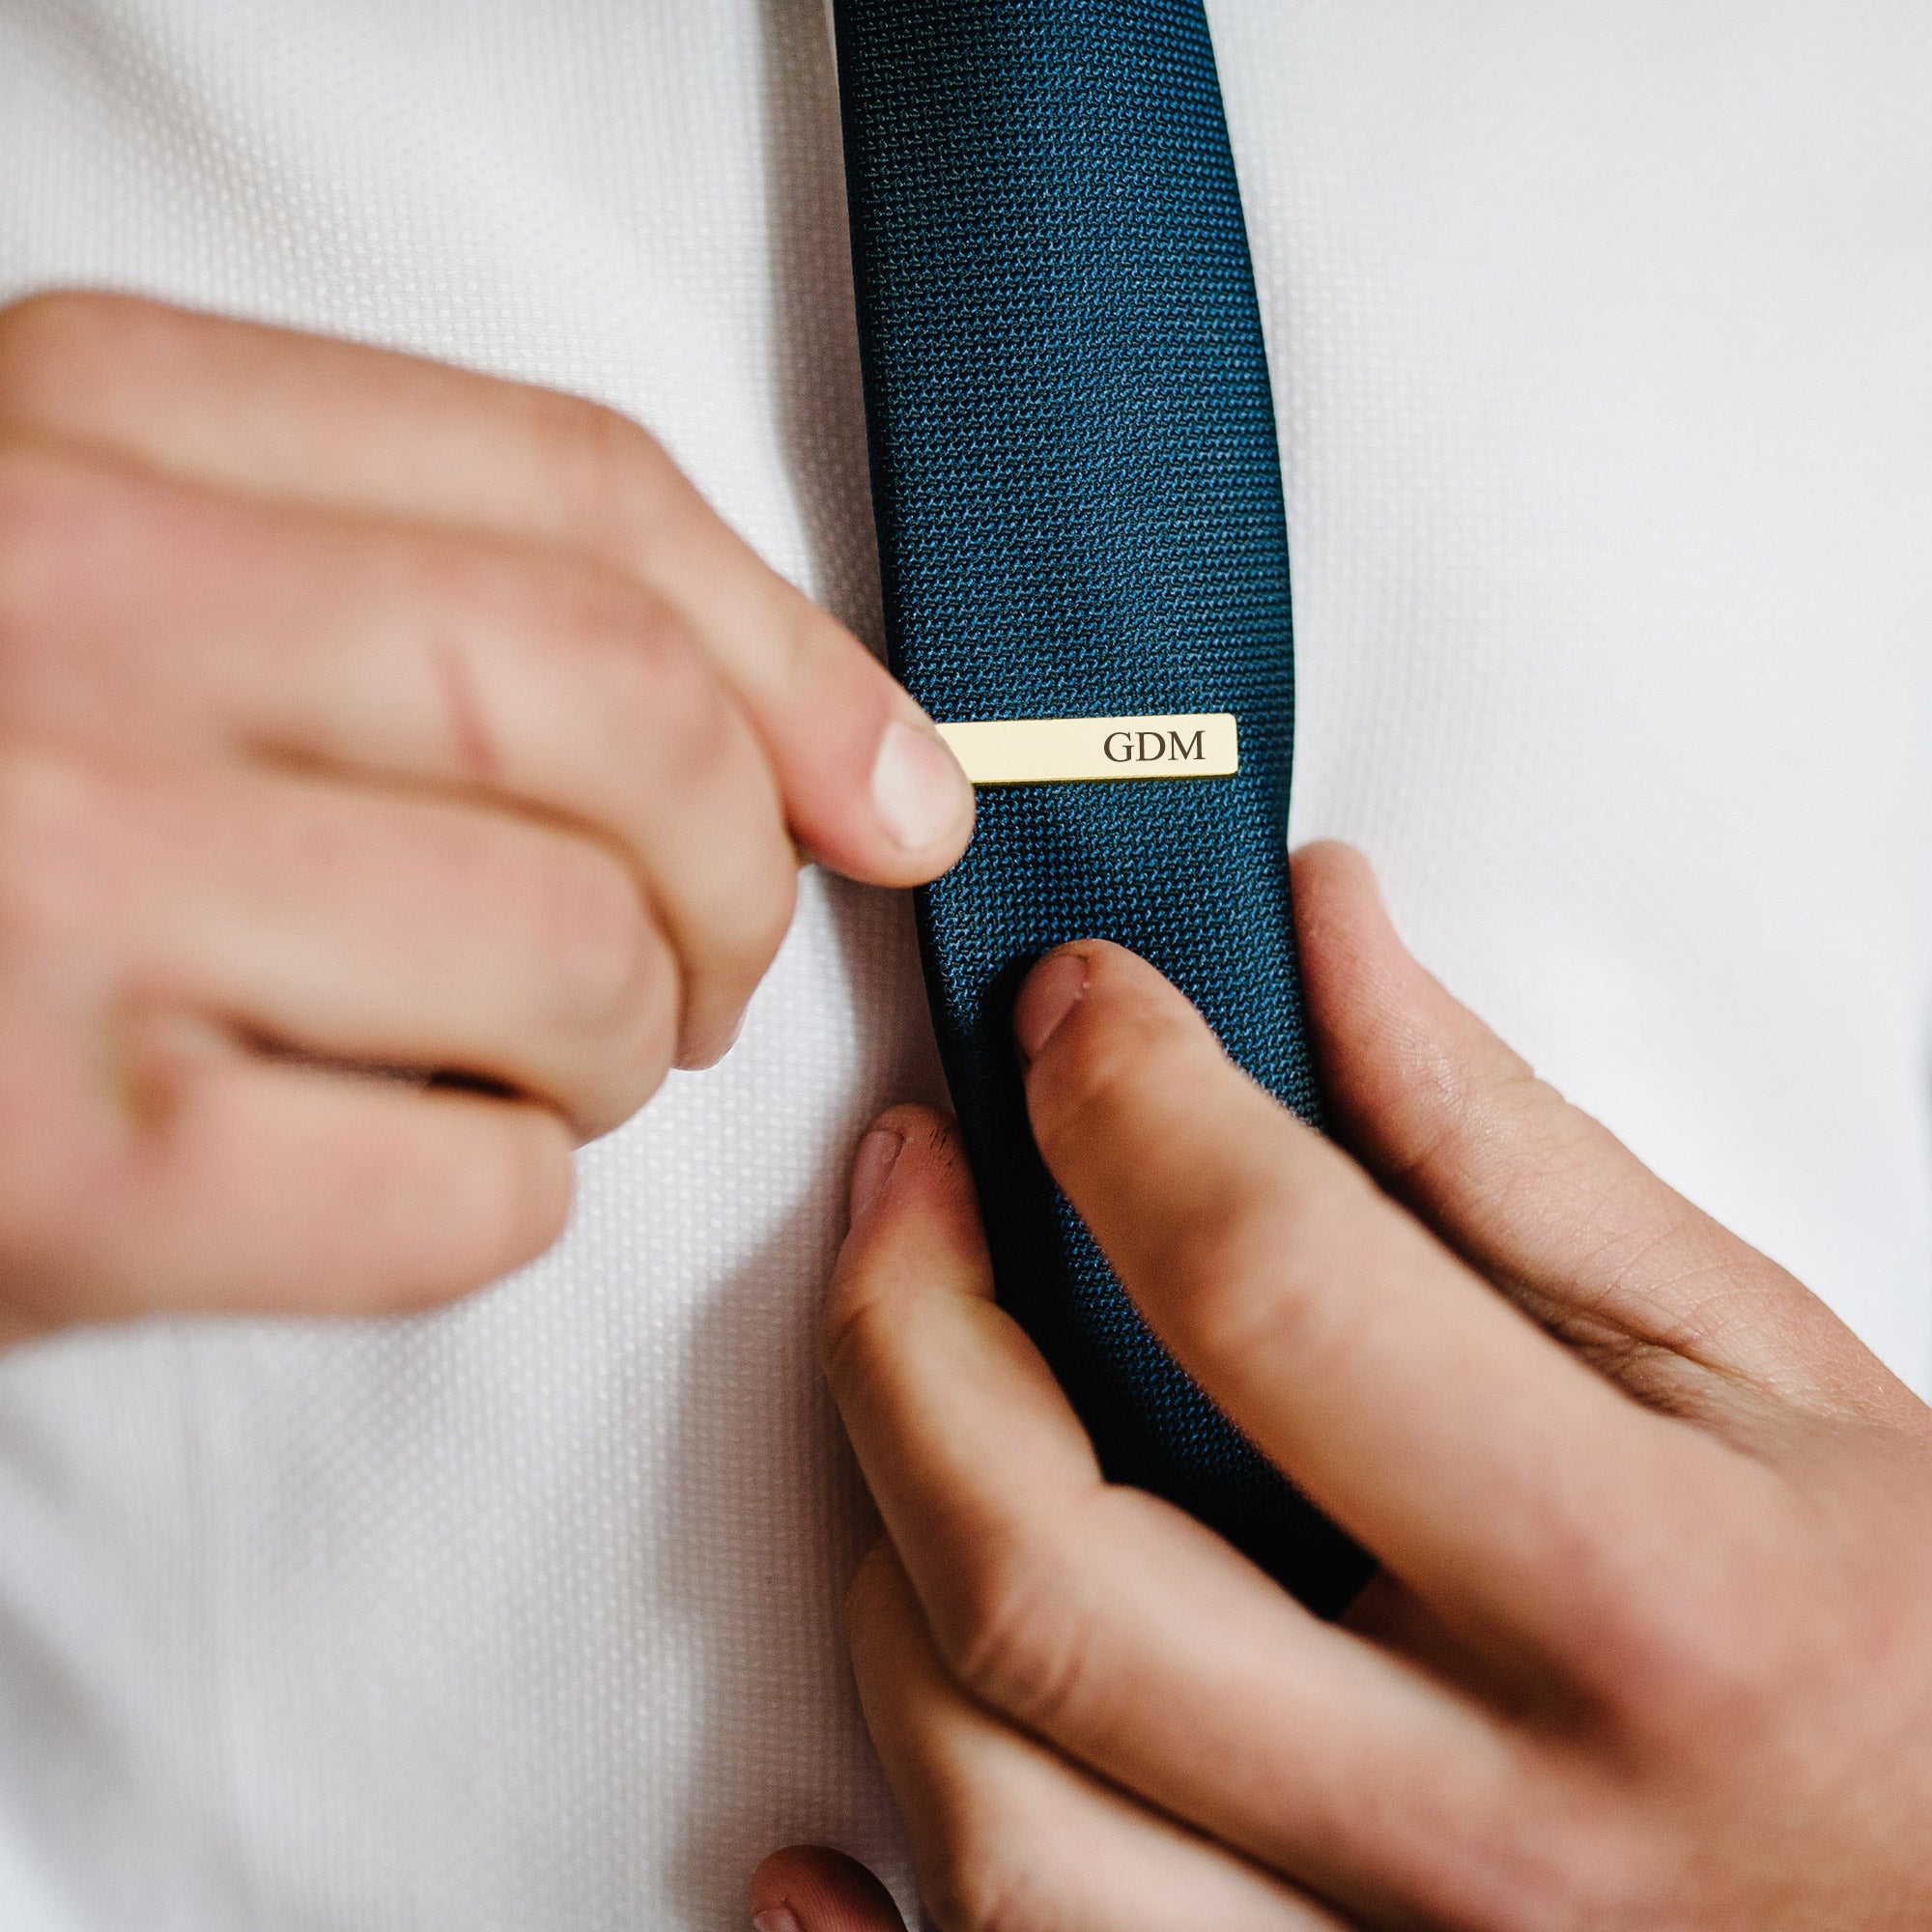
[780, 1918]
[872, 1167]
[1049, 995]
[918, 790]
[694, 1063]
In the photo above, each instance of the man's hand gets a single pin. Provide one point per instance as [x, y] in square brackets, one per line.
[359, 713]
[1652, 1647]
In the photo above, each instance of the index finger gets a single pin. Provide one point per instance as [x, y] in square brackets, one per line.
[1501, 1479]
[867, 785]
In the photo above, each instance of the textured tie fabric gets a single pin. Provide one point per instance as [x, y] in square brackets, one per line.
[1078, 498]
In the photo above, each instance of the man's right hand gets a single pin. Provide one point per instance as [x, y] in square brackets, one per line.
[359, 713]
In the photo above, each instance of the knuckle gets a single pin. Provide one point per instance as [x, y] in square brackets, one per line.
[1711, 1663]
[641, 669]
[1612, 1877]
[623, 496]
[983, 1872]
[1004, 1613]
[655, 679]
[59, 863]
[870, 1594]
[1249, 1251]
[53, 518]
[87, 552]
[746, 913]
[813, 652]
[56, 346]
[655, 672]
[1255, 1255]
[39, 332]
[1012, 1630]
[1252, 1277]
[614, 977]
[58, 841]
[1712, 1673]
[862, 1340]
[38, 525]
[764, 908]
[669, 720]
[517, 1195]
[858, 1342]
[608, 476]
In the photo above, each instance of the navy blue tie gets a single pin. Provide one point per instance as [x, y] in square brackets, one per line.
[1078, 497]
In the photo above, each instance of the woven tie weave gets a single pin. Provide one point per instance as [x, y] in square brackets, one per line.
[1078, 497]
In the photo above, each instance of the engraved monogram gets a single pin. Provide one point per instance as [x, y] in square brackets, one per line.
[1126, 747]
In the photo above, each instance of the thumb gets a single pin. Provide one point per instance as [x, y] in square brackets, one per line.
[808, 1888]
[1533, 1192]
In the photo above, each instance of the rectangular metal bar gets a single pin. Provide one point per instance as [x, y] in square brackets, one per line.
[1045, 750]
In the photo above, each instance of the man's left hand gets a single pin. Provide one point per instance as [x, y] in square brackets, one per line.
[1652, 1643]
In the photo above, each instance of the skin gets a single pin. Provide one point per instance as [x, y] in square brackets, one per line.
[400, 771]
[1652, 1645]
[363, 718]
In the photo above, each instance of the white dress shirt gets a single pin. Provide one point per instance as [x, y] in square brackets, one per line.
[1603, 349]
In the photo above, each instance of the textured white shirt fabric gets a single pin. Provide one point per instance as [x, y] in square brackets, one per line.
[1601, 347]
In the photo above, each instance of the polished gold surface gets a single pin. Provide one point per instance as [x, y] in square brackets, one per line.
[1045, 750]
